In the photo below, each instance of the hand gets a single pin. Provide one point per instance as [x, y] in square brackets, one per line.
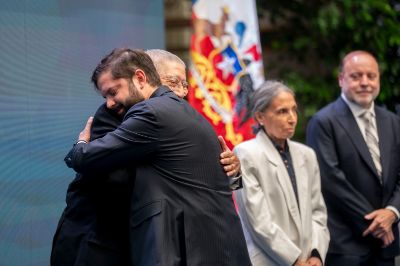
[381, 226]
[314, 261]
[228, 159]
[85, 133]
[387, 239]
[300, 263]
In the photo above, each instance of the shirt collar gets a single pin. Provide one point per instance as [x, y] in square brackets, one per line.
[356, 109]
[277, 146]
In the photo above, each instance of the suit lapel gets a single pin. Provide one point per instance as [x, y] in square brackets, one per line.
[346, 119]
[275, 160]
[299, 166]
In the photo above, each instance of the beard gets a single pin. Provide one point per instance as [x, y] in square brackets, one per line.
[135, 96]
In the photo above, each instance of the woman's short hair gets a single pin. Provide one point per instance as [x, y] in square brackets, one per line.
[262, 97]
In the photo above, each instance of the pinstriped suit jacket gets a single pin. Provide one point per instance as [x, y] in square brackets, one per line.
[182, 211]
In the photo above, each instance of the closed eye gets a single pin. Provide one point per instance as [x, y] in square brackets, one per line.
[372, 76]
[355, 76]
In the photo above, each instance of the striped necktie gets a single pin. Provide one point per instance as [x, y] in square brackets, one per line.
[371, 140]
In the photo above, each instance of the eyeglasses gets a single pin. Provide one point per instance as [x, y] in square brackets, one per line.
[174, 81]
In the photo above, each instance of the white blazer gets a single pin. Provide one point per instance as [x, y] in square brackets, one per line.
[277, 231]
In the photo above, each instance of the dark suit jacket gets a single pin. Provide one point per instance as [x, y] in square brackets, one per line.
[350, 183]
[93, 229]
[182, 211]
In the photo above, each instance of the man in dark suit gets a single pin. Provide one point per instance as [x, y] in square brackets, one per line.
[358, 149]
[93, 229]
[182, 212]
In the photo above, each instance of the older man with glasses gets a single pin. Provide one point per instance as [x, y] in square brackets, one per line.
[172, 70]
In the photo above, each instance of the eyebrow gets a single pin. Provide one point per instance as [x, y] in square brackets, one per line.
[174, 77]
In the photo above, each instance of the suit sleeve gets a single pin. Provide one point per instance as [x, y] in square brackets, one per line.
[394, 199]
[268, 235]
[104, 121]
[335, 186]
[320, 233]
[134, 140]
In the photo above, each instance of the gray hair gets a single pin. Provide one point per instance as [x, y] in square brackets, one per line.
[161, 58]
[262, 97]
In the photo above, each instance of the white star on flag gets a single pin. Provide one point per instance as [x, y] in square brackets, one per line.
[226, 66]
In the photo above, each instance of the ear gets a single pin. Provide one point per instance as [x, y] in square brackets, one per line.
[185, 92]
[140, 78]
[340, 79]
[259, 117]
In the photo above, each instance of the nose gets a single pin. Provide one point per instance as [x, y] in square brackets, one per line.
[110, 103]
[292, 119]
[364, 80]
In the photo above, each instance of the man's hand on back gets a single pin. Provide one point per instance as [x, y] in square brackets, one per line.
[229, 160]
[85, 133]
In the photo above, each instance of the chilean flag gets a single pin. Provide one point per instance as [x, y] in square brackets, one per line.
[226, 64]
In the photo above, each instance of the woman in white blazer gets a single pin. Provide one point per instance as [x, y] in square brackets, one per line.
[281, 207]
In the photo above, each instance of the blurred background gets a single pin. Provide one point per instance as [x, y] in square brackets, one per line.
[302, 42]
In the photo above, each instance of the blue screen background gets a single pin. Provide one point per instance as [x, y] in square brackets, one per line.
[48, 50]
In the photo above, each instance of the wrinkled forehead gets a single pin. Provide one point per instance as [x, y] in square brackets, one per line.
[284, 97]
[175, 69]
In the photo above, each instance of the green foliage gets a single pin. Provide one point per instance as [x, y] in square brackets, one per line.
[314, 35]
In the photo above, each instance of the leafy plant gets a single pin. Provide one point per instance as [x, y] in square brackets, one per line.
[308, 38]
